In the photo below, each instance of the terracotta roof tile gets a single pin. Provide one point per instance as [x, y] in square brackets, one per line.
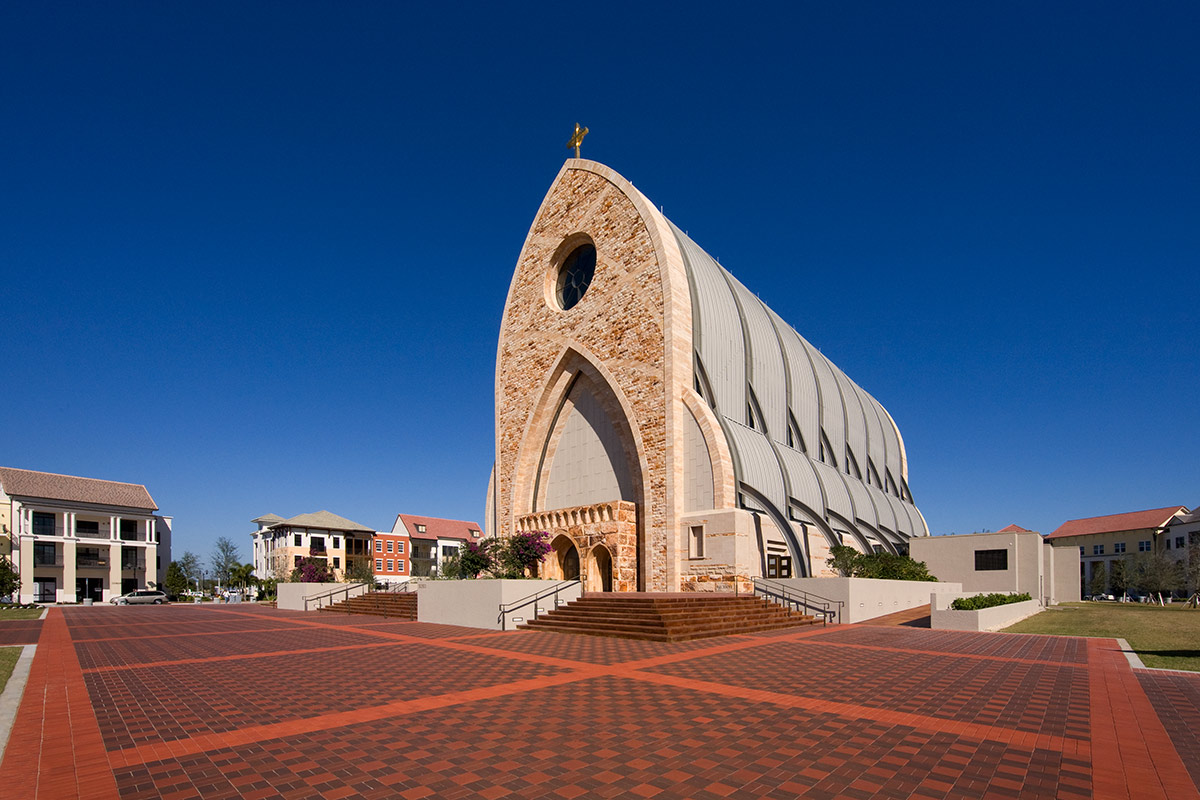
[1130, 521]
[437, 528]
[48, 485]
[1014, 528]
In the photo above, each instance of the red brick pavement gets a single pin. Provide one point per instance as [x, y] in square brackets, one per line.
[180, 702]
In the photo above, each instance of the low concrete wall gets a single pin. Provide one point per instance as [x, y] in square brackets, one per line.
[476, 603]
[868, 598]
[944, 618]
[292, 595]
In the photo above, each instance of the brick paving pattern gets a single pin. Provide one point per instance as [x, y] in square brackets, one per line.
[180, 702]
[19, 631]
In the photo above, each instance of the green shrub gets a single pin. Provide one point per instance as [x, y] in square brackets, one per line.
[988, 600]
[852, 564]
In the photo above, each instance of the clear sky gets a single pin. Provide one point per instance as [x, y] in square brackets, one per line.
[254, 255]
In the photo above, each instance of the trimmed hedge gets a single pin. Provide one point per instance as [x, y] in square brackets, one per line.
[987, 601]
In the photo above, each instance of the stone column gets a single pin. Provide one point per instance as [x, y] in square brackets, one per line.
[114, 571]
[26, 569]
[68, 590]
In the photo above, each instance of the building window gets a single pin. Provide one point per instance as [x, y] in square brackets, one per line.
[389, 565]
[474, 534]
[379, 565]
[45, 554]
[1178, 542]
[337, 562]
[575, 276]
[1080, 549]
[420, 529]
[295, 561]
[1119, 547]
[1097, 549]
[400, 547]
[1144, 546]
[337, 543]
[991, 560]
[87, 527]
[379, 545]
[389, 545]
[43, 524]
[696, 541]
[399, 565]
[296, 541]
[129, 530]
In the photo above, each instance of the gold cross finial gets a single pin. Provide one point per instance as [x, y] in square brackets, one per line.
[577, 139]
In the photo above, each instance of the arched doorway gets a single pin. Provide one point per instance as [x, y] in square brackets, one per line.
[600, 570]
[563, 562]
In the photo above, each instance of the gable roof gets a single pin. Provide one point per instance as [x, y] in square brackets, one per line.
[324, 520]
[1184, 518]
[1129, 521]
[1014, 528]
[51, 486]
[436, 527]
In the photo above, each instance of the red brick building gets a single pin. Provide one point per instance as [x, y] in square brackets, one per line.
[392, 552]
[432, 540]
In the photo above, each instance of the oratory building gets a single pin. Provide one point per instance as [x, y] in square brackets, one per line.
[668, 429]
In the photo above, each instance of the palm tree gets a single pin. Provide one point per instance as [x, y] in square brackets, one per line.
[242, 575]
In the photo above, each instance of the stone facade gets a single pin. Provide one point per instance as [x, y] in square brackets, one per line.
[611, 526]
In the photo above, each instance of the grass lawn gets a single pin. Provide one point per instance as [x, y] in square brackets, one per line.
[20, 613]
[1164, 638]
[8, 660]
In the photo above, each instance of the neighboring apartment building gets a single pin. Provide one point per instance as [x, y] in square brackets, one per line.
[392, 551]
[279, 544]
[1102, 540]
[433, 540]
[76, 539]
[1012, 559]
[1182, 532]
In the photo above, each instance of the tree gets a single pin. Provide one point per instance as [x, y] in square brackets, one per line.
[474, 558]
[225, 559]
[189, 564]
[312, 570]
[1099, 582]
[521, 552]
[10, 579]
[1155, 573]
[1118, 577]
[359, 570]
[242, 575]
[887, 566]
[177, 582]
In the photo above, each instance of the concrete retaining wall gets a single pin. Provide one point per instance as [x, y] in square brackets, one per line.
[867, 598]
[945, 618]
[292, 595]
[476, 603]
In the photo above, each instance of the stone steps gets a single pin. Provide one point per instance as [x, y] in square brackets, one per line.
[667, 618]
[379, 604]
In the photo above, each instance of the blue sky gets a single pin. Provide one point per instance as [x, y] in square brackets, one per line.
[255, 255]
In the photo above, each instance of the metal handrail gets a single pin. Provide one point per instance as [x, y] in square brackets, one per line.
[800, 599]
[333, 592]
[516, 605]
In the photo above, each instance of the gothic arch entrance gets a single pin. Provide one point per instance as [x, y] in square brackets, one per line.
[562, 563]
[600, 570]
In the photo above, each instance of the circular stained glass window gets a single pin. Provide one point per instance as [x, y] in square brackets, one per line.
[575, 275]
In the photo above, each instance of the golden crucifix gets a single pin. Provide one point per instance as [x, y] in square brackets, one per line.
[577, 139]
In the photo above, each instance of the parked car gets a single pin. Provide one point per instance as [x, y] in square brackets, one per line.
[140, 596]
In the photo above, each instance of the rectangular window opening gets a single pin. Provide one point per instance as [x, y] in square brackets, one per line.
[990, 560]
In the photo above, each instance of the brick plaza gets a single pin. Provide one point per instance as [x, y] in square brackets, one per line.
[239, 701]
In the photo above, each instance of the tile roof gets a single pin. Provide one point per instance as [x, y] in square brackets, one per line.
[1014, 528]
[1130, 521]
[50, 486]
[322, 519]
[1184, 518]
[437, 528]
[267, 519]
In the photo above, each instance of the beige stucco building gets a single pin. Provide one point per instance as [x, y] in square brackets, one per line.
[663, 424]
[1010, 560]
[75, 539]
[1103, 540]
[279, 544]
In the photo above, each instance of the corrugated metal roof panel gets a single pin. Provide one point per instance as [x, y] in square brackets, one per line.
[895, 451]
[717, 329]
[802, 479]
[864, 505]
[805, 401]
[833, 410]
[837, 496]
[856, 424]
[760, 467]
[877, 444]
[767, 375]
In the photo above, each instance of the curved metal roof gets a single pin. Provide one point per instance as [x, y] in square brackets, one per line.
[749, 353]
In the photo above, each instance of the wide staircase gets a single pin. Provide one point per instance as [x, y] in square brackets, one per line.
[668, 617]
[379, 604]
